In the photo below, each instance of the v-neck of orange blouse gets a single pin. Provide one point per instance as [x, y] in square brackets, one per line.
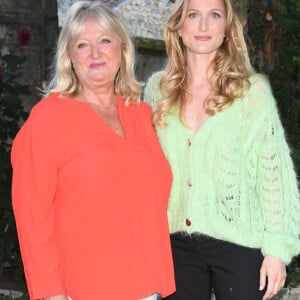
[120, 107]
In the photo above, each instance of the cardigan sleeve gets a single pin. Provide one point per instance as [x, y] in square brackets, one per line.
[276, 180]
[33, 189]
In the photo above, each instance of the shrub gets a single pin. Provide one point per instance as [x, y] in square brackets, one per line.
[11, 114]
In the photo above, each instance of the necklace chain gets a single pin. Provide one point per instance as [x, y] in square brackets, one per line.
[98, 105]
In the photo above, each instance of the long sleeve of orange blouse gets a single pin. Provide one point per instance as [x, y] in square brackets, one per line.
[91, 206]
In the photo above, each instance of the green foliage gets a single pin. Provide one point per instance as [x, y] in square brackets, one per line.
[274, 28]
[11, 114]
[274, 35]
[293, 269]
[25, 297]
[153, 45]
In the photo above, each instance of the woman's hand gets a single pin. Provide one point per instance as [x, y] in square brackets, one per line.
[272, 271]
[57, 297]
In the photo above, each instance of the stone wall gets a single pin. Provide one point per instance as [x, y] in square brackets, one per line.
[144, 18]
[37, 18]
[145, 21]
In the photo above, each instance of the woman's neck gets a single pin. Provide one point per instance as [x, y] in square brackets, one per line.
[99, 97]
[198, 67]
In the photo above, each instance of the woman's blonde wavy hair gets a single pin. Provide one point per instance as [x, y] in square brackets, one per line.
[231, 66]
[64, 79]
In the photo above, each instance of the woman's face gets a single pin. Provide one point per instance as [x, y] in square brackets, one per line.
[203, 29]
[96, 56]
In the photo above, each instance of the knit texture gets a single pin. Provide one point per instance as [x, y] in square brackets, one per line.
[234, 178]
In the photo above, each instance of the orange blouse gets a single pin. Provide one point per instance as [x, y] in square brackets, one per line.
[91, 206]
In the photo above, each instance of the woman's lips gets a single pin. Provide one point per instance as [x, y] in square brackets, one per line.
[97, 65]
[202, 37]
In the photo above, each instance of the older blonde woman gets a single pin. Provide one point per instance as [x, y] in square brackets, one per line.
[90, 182]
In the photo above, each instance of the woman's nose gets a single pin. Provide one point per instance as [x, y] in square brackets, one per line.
[203, 23]
[96, 51]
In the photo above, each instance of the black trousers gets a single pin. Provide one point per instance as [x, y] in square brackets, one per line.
[203, 264]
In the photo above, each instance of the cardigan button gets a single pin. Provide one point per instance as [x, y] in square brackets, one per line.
[188, 222]
[189, 142]
[189, 182]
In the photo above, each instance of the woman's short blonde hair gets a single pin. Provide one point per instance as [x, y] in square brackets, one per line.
[230, 68]
[64, 79]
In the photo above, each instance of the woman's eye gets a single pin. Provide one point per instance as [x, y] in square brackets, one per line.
[105, 41]
[81, 45]
[216, 15]
[193, 15]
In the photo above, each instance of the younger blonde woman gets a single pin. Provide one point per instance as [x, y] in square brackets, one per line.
[234, 205]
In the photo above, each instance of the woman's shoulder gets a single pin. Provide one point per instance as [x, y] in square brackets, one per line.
[260, 83]
[260, 93]
[255, 78]
[137, 111]
[41, 120]
[45, 111]
[156, 76]
[45, 104]
[152, 93]
[141, 108]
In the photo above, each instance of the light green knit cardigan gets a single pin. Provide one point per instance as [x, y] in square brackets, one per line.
[234, 178]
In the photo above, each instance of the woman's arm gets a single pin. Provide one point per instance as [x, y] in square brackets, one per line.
[33, 190]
